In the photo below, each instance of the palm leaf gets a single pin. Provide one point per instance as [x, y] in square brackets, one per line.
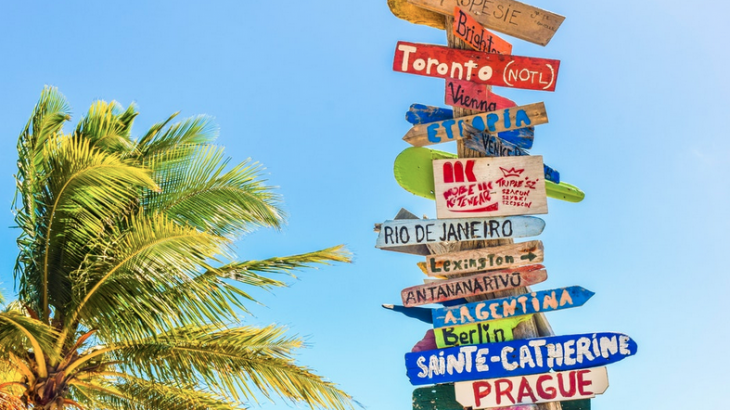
[108, 128]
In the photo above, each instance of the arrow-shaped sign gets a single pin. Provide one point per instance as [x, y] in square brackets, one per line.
[529, 257]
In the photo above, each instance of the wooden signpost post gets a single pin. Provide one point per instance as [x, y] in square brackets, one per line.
[490, 187]
[478, 333]
[451, 289]
[532, 389]
[496, 121]
[429, 60]
[506, 16]
[424, 231]
[511, 306]
[476, 36]
[479, 260]
[518, 357]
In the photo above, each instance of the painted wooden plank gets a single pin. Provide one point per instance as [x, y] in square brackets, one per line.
[443, 397]
[499, 186]
[477, 333]
[493, 146]
[414, 173]
[526, 304]
[422, 314]
[423, 231]
[485, 259]
[529, 73]
[476, 36]
[410, 249]
[533, 389]
[474, 96]
[417, 15]
[506, 16]
[427, 343]
[423, 114]
[473, 285]
[518, 357]
[496, 121]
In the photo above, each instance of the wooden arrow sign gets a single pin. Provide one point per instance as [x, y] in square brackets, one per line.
[417, 15]
[423, 114]
[474, 96]
[458, 288]
[485, 259]
[518, 357]
[499, 186]
[478, 333]
[414, 173]
[443, 397]
[533, 389]
[429, 60]
[529, 303]
[476, 36]
[506, 16]
[496, 121]
[424, 231]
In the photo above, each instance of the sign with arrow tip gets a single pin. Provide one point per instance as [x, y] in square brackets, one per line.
[485, 259]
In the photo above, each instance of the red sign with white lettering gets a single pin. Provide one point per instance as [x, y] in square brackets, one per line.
[483, 68]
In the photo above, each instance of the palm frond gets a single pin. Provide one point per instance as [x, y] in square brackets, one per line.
[27, 338]
[108, 128]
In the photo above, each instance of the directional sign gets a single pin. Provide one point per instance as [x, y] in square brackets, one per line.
[493, 146]
[499, 186]
[443, 397]
[477, 37]
[429, 60]
[457, 288]
[413, 171]
[417, 15]
[533, 389]
[506, 16]
[478, 333]
[497, 121]
[423, 231]
[484, 259]
[423, 114]
[518, 357]
[474, 96]
[529, 303]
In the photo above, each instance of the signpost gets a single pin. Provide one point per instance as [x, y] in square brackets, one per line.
[476, 36]
[429, 60]
[511, 306]
[518, 357]
[500, 186]
[478, 333]
[496, 121]
[506, 16]
[424, 231]
[443, 397]
[451, 289]
[479, 260]
[533, 389]
[474, 96]
[413, 171]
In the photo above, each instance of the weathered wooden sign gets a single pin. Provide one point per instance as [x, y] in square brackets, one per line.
[533, 389]
[506, 16]
[479, 260]
[529, 73]
[423, 231]
[458, 288]
[478, 333]
[518, 357]
[414, 173]
[500, 186]
[417, 15]
[476, 36]
[474, 96]
[423, 114]
[443, 397]
[529, 303]
[496, 121]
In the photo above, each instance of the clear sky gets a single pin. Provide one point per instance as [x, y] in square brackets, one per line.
[307, 89]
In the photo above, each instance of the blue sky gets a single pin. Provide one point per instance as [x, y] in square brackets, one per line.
[306, 88]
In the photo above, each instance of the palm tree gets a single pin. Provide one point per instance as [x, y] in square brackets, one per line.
[128, 286]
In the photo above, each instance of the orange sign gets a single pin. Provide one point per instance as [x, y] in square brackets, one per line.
[476, 36]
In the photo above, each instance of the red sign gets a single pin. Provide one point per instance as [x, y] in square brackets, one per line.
[483, 68]
[476, 36]
[474, 97]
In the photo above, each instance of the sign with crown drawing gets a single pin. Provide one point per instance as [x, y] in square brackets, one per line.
[489, 187]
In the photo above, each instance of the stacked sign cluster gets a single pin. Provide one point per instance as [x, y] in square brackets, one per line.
[472, 355]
